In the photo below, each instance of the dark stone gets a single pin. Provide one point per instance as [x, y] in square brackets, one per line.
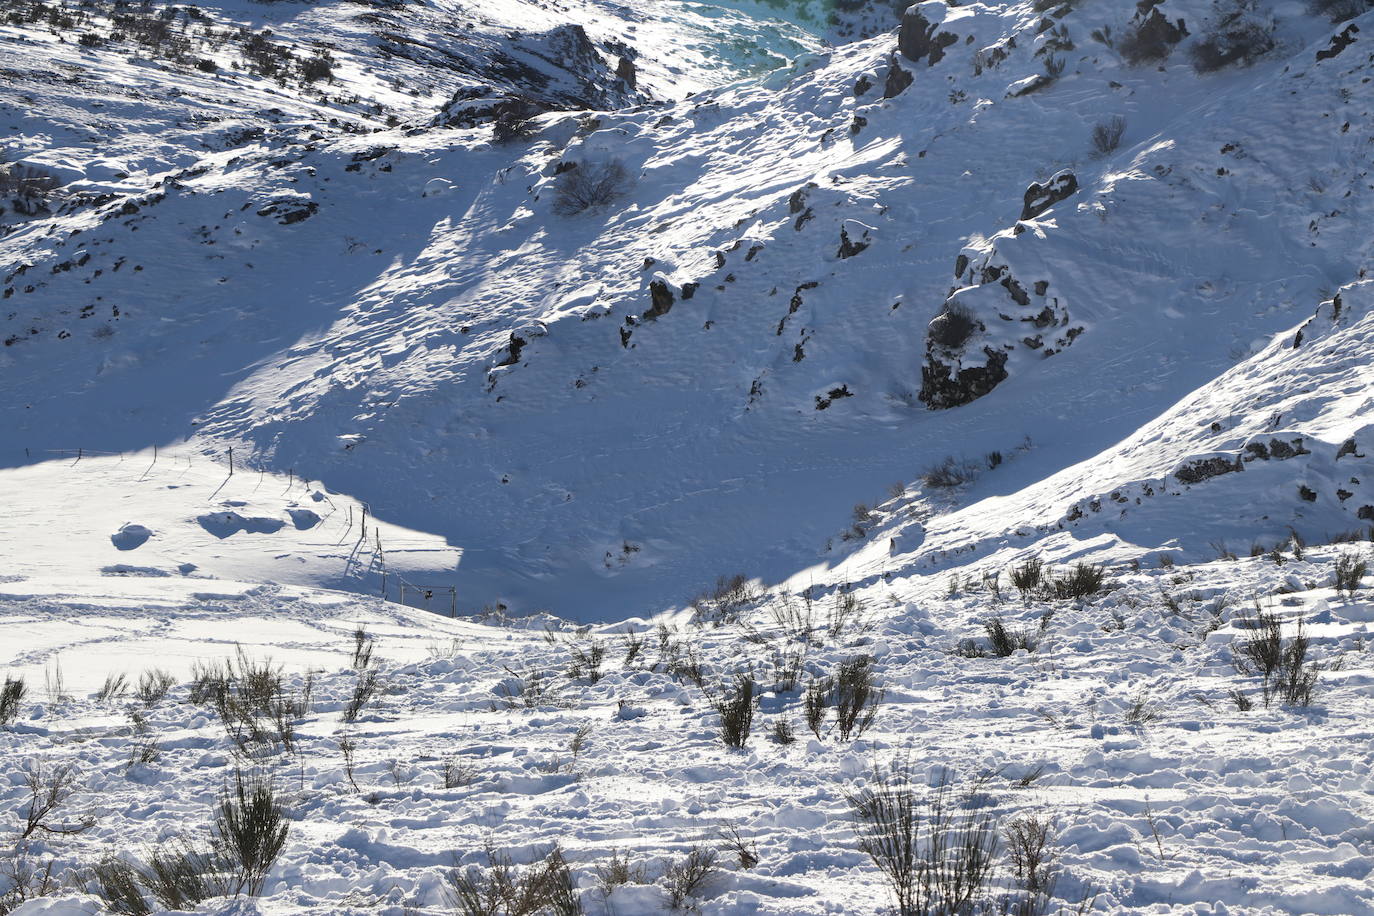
[1207, 468]
[1348, 447]
[662, 300]
[960, 265]
[796, 203]
[1339, 42]
[834, 394]
[1040, 198]
[848, 247]
[898, 79]
[625, 70]
[689, 290]
[942, 389]
[858, 124]
[1015, 290]
[1041, 287]
[517, 344]
[917, 39]
[1366, 513]
[862, 85]
[1307, 493]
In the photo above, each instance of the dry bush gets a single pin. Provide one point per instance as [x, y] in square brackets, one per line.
[934, 858]
[504, 889]
[1107, 134]
[689, 876]
[737, 713]
[589, 186]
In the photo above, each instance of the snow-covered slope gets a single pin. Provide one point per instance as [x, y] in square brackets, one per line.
[577, 306]
[604, 410]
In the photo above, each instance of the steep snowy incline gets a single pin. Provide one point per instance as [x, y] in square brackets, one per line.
[703, 373]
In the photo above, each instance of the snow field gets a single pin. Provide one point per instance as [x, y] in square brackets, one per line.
[1118, 726]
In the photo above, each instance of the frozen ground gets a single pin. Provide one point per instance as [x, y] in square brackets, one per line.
[371, 285]
[1118, 726]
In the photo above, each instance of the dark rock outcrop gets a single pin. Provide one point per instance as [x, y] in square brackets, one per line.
[918, 40]
[1040, 197]
[898, 79]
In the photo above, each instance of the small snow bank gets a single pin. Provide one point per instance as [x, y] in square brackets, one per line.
[180, 512]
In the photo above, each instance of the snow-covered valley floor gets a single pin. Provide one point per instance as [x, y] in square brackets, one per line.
[1119, 730]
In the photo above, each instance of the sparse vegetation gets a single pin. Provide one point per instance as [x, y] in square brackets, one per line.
[1007, 642]
[114, 688]
[12, 693]
[49, 789]
[1082, 580]
[589, 185]
[1350, 569]
[935, 859]
[1107, 134]
[950, 473]
[1027, 576]
[723, 602]
[363, 644]
[1235, 40]
[737, 712]
[953, 326]
[363, 690]
[250, 829]
[505, 889]
[153, 686]
[689, 876]
[1282, 666]
[851, 692]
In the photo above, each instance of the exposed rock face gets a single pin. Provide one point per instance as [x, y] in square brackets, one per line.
[918, 40]
[850, 246]
[945, 385]
[898, 79]
[1339, 42]
[662, 299]
[1040, 197]
[1206, 468]
[982, 324]
[557, 70]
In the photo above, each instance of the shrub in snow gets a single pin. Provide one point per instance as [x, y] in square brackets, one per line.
[951, 472]
[249, 832]
[1150, 40]
[1107, 134]
[589, 185]
[953, 326]
[1005, 642]
[1083, 580]
[1282, 666]
[1350, 569]
[737, 713]
[1337, 10]
[504, 889]
[689, 876]
[934, 858]
[1027, 576]
[153, 686]
[49, 789]
[853, 694]
[11, 695]
[723, 602]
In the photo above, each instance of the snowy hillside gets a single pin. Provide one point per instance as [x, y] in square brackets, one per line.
[788, 337]
[606, 409]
